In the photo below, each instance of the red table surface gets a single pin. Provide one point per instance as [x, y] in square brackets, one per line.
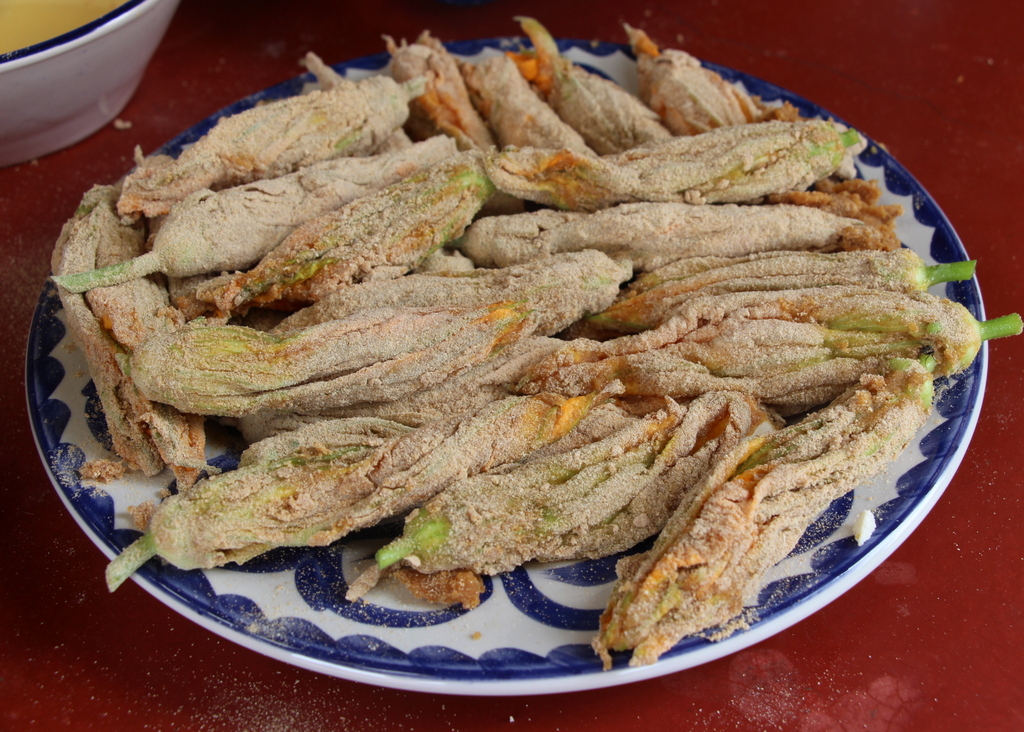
[932, 640]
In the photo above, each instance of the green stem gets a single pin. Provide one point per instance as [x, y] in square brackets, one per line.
[396, 551]
[1007, 325]
[415, 87]
[947, 272]
[422, 534]
[849, 138]
[114, 274]
[543, 41]
[134, 556]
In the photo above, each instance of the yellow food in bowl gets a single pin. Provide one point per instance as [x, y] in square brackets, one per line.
[27, 22]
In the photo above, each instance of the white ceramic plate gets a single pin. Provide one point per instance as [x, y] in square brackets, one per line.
[531, 633]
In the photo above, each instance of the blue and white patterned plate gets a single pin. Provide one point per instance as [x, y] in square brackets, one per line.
[531, 633]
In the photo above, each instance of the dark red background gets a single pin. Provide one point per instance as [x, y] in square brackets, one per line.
[930, 641]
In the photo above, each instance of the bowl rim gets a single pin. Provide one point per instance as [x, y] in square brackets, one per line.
[65, 41]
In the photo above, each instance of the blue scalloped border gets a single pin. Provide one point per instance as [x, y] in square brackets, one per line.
[319, 568]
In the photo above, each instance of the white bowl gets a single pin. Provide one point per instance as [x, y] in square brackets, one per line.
[55, 93]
